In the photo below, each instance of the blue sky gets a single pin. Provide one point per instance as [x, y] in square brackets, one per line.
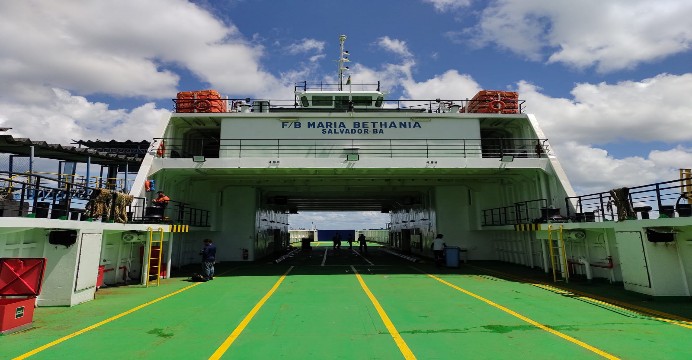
[609, 81]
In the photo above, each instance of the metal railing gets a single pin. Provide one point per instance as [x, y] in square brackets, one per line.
[365, 148]
[522, 212]
[508, 106]
[662, 198]
[174, 212]
[52, 197]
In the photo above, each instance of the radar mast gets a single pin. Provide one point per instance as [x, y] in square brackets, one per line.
[343, 58]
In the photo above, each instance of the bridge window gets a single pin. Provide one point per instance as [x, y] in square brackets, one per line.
[322, 101]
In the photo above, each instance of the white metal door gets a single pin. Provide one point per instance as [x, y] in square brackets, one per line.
[635, 271]
[88, 262]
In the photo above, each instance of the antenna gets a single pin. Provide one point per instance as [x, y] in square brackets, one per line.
[343, 58]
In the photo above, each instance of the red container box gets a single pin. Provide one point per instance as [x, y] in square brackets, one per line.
[16, 314]
[20, 278]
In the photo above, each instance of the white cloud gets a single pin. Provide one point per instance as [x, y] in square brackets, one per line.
[306, 45]
[72, 45]
[446, 5]
[647, 111]
[390, 76]
[653, 109]
[64, 51]
[396, 46]
[64, 117]
[592, 170]
[612, 35]
[316, 58]
[673, 159]
[450, 85]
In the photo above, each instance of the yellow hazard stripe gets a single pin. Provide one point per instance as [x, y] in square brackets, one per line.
[527, 227]
[178, 228]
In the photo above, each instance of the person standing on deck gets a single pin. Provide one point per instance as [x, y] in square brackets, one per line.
[208, 259]
[350, 241]
[362, 244]
[438, 247]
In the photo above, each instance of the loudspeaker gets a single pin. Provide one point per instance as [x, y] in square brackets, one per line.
[660, 235]
[62, 237]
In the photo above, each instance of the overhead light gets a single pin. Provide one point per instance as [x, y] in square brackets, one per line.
[507, 158]
[352, 157]
[199, 159]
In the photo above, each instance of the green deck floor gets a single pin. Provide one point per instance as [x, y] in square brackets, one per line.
[320, 310]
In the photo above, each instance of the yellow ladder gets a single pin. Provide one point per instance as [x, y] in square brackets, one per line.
[558, 255]
[153, 273]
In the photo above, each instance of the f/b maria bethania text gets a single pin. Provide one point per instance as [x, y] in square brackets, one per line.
[355, 127]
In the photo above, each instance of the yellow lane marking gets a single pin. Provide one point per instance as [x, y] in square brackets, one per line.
[239, 329]
[92, 327]
[524, 318]
[654, 314]
[385, 319]
[616, 305]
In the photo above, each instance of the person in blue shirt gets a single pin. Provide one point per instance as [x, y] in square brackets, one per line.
[208, 259]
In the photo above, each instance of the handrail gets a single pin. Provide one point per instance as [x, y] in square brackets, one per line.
[522, 212]
[177, 212]
[97, 181]
[512, 106]
[56, 198]
[661, 197]
[664, 198]
[374, 148]
[46, 196]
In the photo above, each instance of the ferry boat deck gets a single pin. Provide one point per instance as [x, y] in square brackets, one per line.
[327, 303]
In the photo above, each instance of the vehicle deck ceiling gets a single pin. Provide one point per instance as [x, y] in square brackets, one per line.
[346, 189]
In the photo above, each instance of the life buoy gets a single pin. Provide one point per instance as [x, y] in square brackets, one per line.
[147, 185]
[161, 150]
[497, 105]
[202, 105]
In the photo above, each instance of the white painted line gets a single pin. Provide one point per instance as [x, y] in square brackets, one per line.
[324, 258]
[366, 259]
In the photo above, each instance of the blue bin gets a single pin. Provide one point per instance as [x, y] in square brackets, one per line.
[452, 256]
